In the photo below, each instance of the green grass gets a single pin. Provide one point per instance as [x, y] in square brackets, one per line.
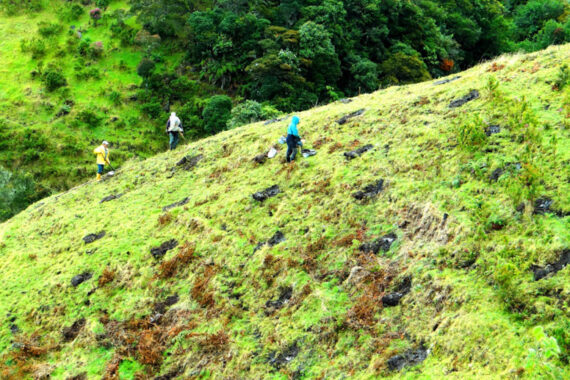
[477, 321]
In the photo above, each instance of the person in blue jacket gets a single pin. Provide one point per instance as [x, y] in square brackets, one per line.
[293, 139]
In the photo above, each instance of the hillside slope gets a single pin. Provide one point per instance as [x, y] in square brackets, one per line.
[446, 241]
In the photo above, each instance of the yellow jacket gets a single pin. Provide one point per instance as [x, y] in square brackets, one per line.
[102, 155]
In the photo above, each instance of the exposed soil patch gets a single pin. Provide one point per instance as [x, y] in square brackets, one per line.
[189, 162]
[423, 222]
[445, 81]
[110, 198]
[159, 252]
[393, 299]
[542, 272]
[93, 237]
[261, 196]
[346, 118]
[381, 244]
[284, 296]
[492, 129]
[407, 359]
[71, 332]
[81, 278]
[176, 204]
[472, 95]
[358, 152]
[280, 360]
[369, 191]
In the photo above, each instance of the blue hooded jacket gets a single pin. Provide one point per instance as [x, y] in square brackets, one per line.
[292, 130]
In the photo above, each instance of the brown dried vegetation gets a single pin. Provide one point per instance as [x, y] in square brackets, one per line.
[169, 268]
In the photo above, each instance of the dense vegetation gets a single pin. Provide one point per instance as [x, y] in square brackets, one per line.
[428, 238]
[85, 70]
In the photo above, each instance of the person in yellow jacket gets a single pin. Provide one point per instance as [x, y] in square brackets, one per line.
[102, 153]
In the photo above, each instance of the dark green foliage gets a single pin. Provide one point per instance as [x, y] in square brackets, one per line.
[145, 68]
[71, 12]
[250, 111]
[89, 117]
[152, 109]
[37, 47]
[46, 29]
[563, 78]
[216, 113]
[53, 80]
[115, 97]
[401, 69]
[17, 191]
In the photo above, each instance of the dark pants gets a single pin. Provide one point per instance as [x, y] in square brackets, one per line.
[292, 142]
[174, 136]
[100, 168]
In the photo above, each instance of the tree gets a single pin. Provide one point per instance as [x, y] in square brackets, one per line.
[216, 113]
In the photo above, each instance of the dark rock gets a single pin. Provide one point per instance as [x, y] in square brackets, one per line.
[358, 152]
[171, 300]
[274, 121]
[542, 206]
[446, 80]
[284, 296]
[260, 159]
[277, 238]
[384, 243]
[14, 329]
[267, 193]
[520, 207]
[110, 198]
[71, 332]
[370, 190]
[93, 237]
[492, 129]
[81, 278]
[285, 357]
[497, 173]
[346, 118]
[176, 204]
[158, 252]
[308, 152]
[542, 272]
[189, 162]
[345, 101]
[474, 94]
[393, 299]
[407, 359]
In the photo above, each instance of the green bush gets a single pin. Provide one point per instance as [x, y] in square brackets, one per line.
[89, 117]
[402, 69]
[53, 80]
[250, 111]
[35, 46]
[563, 77]
[16, 193]
[145, 68]
[216, 113]
[471, 134]
[48, 29]
[13, 7]
[152, 109]
[71, 12]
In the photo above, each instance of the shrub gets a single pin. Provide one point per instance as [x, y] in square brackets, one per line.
[16, 193]
[401, 69]
[217, 113]
[96, 50]
[53, 80]
[245, 113]
[13, 7]
[152, 109]
[71, 12]
[47, 29]
[89, 117]
[115, 97]
[145, 68]
[35, 46]
[563, 77]
[95, 15]
[471, 134]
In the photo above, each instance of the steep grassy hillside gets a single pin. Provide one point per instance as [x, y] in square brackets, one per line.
[51, 132]
[440, 251]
